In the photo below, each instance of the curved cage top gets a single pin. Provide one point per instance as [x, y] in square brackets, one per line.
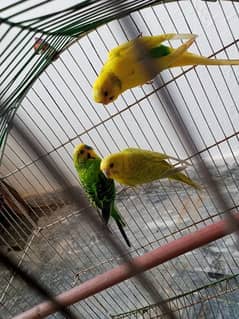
[48, 99]
[20, 22]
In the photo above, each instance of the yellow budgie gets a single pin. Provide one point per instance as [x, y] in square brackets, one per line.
[124, 69]
[134, 166]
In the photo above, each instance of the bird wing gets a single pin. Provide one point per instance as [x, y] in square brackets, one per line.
[106, 194]
[160, 156]
[120, 49]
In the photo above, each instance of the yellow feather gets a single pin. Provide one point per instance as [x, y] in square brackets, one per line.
[135, 167]
[125, 69]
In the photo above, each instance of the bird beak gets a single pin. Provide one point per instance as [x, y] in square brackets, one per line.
[97, 96]
[105, 101]
[106, 172]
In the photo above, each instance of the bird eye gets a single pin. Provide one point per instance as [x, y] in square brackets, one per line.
[81, 151]
[111, 98]
[105, 93]
[111, 165]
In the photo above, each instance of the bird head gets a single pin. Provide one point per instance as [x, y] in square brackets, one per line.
[83, 152]
[106, 88]
[112, 166]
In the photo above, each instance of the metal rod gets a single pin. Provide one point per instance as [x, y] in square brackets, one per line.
[123, 272]
[74, 197]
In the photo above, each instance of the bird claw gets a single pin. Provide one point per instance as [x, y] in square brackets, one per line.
[139, 35]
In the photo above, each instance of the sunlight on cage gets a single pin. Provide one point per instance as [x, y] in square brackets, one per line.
[56, 243]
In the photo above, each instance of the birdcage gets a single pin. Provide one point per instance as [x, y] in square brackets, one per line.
[183, 259]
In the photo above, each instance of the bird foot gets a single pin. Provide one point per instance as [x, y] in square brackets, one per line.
[139, 35]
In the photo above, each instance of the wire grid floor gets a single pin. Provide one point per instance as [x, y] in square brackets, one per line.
[63, 251]
[193, 305]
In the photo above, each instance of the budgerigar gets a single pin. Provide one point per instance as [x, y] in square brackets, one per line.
[125, 69]
[134, 166]
[100, 190]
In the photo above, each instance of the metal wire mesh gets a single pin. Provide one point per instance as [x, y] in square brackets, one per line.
[190, 305]
[58, 113]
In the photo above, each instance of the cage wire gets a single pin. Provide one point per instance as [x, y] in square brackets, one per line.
[201, 304]
[49, 97]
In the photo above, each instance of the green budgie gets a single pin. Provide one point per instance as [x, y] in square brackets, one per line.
[100, 190]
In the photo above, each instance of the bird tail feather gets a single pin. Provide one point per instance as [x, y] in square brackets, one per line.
[172, 171]
[121, 229]
[189, 58]
[121, 224]
[186, 180]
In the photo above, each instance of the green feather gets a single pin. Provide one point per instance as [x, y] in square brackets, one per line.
[161, 50]
[100, 190]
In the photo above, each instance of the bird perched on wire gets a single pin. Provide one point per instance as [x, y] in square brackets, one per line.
[134, 166]
[125, 68]
[100, 190]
